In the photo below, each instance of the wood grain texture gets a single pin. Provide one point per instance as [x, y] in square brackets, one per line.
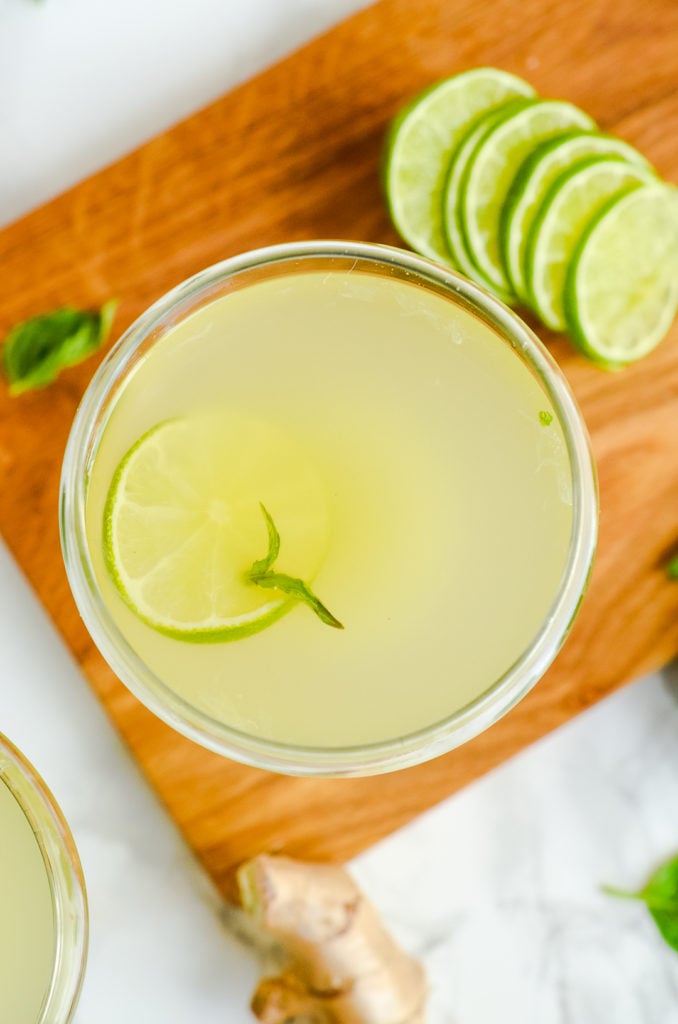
[295, 154]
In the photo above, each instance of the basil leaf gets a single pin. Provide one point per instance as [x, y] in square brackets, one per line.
[37, 350]
[660, 895]
[300, 591]
[672, 569]
[262, 575]
[661, 898]
[262, 565]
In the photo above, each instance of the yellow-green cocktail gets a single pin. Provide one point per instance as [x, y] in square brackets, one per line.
[427, 479]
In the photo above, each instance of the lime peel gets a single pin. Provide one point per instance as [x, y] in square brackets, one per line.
[621, 294]
[182, 523]
[262, 575]
[572, 201]
[491, 169]
[421, 141]
[451, 201]
[532, 183]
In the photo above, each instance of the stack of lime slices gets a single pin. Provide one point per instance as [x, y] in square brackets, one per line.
[528, 199]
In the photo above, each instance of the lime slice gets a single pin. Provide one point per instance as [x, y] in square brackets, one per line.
[573, 200]
[454, 235]
[622, 285]
[532, 182]
[491, 169]
[421, 141]
[183, 524]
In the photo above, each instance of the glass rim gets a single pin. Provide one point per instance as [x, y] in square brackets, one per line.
[307, 760]
[65, 877]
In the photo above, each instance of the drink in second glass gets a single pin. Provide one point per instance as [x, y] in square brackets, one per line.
[43, 908]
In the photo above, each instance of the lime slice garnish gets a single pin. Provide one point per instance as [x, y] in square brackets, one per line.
[622, 286]
[454, 234]
[183, 524]
[421, 142]
[533, 181]
[491, 169]
[572, 202]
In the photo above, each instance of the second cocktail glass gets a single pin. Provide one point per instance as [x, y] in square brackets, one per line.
[43, 905]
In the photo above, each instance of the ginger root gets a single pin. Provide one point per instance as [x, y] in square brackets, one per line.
[340, 965]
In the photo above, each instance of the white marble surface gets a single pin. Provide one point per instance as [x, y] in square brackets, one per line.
[498, 888]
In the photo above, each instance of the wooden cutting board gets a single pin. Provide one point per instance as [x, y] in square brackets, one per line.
[295, 154]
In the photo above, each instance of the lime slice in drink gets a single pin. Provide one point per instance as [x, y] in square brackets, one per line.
[622, 285]
[572, 202]
[421, 141]
[454, 234]
[532, 182]
[183, 524]
[491, 169]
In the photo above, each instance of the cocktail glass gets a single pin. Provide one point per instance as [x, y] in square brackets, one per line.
[429, 294]
[46, 904]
